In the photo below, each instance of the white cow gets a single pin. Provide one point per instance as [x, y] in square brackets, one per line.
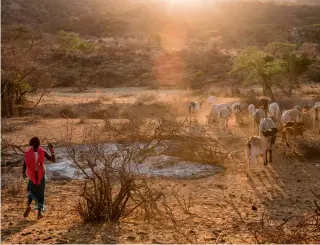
[251, 110]
[257, 116]
[212, 100]
[213, 115]
[315, 114]
[290, 115]
[268, 124]
[265, 124]
[193, 109]
[223, 117]
[274, 111]
[255, 147]
[217, 107]
[236, 108]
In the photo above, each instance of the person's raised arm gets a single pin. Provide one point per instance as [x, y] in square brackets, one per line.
[51, 157]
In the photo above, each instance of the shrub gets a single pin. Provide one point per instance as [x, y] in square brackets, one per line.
[199, 74]
[309, 149]
[145, 98]
[154, 84]
[112, 189]
[67, 112]
[12, 185]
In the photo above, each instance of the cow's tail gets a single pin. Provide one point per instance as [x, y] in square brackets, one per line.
[189, 109]
[284, 138]
[247, 149]
[233, 152]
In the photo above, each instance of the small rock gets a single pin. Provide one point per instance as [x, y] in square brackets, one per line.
[156, 242]
[254, 208]
[10, 223]
[55, 173]
[298, 180]
[131, 237]
[47, 238]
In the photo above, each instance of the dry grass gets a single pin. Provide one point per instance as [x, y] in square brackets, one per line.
[292, 230]
[68, 112]
[12, 185]
[145, 98]
[103, 98]
[309, 149]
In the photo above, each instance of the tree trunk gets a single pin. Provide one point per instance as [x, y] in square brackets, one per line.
[264, 89]
[268, 89]
[270, 93]
[290, 91]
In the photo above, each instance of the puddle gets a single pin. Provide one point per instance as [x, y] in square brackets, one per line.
[163, 166]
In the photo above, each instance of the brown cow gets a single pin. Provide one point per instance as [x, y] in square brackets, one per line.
[290, 132]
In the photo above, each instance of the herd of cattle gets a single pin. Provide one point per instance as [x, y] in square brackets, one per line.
[266, 118]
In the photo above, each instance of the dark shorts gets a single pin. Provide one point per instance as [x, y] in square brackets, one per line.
[36, 192]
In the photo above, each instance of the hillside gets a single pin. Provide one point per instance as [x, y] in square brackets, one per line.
[152, 43]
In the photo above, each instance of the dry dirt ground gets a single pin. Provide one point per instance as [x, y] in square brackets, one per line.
[281, 189]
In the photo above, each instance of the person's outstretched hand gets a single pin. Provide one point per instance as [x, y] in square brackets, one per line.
[51, 148]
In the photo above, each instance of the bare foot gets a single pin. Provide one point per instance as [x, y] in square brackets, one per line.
[26, 213]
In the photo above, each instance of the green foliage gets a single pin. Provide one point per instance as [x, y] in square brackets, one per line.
[293, 67]
[256, 63]
[279, 50]
[199, 74]
[156, 39]
[70, 41]
[258, 66]
[295, 64]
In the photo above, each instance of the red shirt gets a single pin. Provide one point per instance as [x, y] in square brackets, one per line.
[29, 158]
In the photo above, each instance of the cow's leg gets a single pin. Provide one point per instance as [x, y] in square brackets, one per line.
[249, 163]
[270, 155]
[265, 158]
[285, 148]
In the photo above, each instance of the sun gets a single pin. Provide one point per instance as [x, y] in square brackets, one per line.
[183, 1]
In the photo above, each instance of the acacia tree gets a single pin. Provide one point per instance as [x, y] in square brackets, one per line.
[71, 41]
[21, 74]
[292, 64]
[258, 67]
